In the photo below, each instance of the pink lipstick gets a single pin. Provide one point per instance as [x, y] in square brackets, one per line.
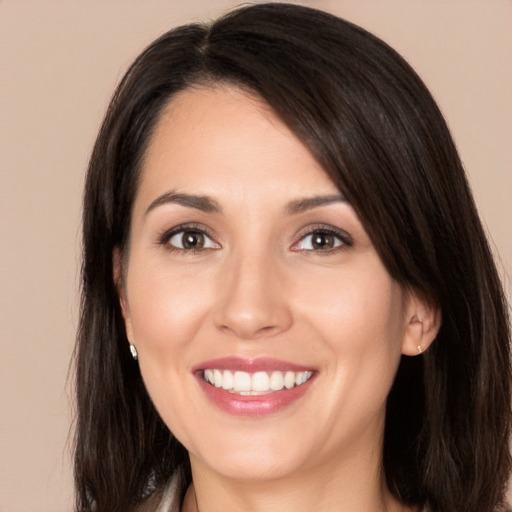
[253, 387]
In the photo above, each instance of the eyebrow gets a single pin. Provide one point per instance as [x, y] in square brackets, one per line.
[308, 203]
[204, 203]
[209, 205]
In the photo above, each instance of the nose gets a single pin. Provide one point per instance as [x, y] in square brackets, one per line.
[252, 298]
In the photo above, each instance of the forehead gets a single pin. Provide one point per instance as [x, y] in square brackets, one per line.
[226, 142]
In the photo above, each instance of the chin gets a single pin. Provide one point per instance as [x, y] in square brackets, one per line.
[249, 469]
[255, 459]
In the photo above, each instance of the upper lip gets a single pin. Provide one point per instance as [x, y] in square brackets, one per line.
[250, 365]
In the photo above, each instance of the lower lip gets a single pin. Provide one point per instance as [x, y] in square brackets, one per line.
[256, 405]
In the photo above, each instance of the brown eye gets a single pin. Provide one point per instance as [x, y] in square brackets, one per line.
[191, 240]
[321, 241]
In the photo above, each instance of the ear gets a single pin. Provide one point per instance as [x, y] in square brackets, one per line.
[119, 284]
[422, 323]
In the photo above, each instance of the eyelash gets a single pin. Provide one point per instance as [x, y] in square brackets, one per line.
[165, 237]
[323, 229]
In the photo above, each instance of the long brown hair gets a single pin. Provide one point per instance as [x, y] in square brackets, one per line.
[373, 126]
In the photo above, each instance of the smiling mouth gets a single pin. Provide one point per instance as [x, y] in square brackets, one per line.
[257, 383]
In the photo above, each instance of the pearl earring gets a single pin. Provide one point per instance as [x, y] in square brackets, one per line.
[133, 350]
[420, 349]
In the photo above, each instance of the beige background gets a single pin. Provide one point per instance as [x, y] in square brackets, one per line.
[59, 63]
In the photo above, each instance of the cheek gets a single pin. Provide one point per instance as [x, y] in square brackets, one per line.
[357, 309]
[166, 310]
[165, 306]
[360, 318]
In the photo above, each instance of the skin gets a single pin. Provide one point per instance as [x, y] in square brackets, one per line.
[259, 288]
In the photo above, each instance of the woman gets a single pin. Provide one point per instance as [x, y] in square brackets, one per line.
[288, 298]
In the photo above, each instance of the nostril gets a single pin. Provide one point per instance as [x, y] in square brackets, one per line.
[248, 327]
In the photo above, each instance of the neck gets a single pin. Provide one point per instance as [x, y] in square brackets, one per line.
[354, 486]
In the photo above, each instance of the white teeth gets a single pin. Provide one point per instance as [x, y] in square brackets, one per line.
[257, 383]
[208, 376]
[289, 380]
[276, 381]
[242, 381]
[217, 378]
[260, 381]
[302, 377]
[227, 380]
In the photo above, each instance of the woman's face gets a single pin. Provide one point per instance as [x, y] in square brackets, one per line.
[247, 268]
